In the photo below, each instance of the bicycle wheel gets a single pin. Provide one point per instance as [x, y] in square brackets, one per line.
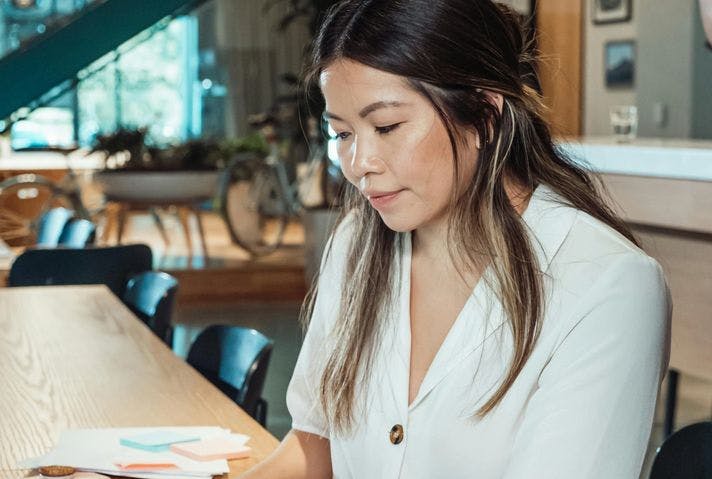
[256, 212]
[23, 201]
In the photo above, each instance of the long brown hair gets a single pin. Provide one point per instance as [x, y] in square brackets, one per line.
[452, 52]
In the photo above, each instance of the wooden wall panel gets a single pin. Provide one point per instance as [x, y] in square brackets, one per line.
[560, 38]
[687, 262]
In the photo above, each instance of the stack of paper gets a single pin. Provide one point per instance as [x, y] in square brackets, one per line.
[140, 452]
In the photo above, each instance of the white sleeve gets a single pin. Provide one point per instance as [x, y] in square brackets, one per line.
[303, 391]
[592, 414]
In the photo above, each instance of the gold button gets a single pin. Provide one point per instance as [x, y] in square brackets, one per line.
[396, 434]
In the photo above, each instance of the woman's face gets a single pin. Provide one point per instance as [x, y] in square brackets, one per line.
[392, 145]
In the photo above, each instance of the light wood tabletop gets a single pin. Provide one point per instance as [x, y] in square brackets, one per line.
[76, 357]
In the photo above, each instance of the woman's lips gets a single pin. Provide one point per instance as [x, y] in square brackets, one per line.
[383, 200]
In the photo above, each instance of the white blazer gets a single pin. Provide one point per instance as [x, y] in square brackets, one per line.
[582, 406]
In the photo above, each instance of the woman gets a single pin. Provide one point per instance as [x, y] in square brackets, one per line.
[481, 313]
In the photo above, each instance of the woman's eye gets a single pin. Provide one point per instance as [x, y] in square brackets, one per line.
[387, 129]
[342, 136]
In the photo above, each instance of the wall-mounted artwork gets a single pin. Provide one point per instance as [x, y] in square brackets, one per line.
[611, 11]
[620, 64]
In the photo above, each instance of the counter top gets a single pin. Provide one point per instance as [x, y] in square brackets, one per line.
[655, 157]
[50, 160]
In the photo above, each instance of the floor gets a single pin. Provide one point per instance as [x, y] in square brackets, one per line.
[279, 321]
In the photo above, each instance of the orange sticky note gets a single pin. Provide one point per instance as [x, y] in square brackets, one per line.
[212, 449]
[137, 466]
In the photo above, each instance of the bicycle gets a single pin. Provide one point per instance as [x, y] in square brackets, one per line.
[24, 198]
[258, 209]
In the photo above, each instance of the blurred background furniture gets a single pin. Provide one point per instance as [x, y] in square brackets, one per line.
[111, 266]
[235, 359]
[59, 227]
[77, 233]
[120, 209]
[673, 376]
[51, 225]
[151, 296]
[687, 454]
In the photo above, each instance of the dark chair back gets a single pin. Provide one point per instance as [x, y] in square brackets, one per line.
[77, 233]
[235, 359]
[51, 225]
[151, 296]
[687, 454]
[110, 266]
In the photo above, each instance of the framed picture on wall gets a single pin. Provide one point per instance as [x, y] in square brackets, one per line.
[619, 59]
[611, 11]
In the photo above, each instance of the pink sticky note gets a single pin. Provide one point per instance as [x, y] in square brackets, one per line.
[212, 449]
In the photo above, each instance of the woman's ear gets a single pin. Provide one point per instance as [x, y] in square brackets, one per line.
[497, 100]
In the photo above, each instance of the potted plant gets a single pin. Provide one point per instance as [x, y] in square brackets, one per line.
[183, 172]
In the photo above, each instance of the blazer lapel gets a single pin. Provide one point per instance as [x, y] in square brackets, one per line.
[548, 222]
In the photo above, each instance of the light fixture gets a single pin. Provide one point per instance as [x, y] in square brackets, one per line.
[23, 4]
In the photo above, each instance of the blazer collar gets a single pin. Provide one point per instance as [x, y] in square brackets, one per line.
[548, 221]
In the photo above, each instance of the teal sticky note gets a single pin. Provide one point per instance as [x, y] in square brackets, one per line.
[156, 441]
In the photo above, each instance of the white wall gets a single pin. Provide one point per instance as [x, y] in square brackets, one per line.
[665, 68]
[597, 98]
[701, 83]
[673, 71]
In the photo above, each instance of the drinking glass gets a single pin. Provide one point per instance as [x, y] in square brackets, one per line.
[624, 121]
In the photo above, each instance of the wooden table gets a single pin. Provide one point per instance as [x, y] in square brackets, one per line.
[75, 357]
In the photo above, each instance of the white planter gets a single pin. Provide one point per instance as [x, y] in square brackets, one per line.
[160, 186]
[317, 227]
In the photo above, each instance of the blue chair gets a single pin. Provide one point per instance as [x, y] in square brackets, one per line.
[151, 296]
[51, 225]
[687, 454]
[112, 266]
[235, 359]
[77, 233]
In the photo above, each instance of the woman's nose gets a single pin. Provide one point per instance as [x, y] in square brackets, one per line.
[365, 159]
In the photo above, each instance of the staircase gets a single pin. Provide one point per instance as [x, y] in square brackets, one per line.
[51, 61]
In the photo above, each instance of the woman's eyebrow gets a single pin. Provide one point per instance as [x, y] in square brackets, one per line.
[367, 110]
[377, 106]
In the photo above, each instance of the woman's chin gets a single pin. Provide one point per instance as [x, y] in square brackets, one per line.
[398, 224]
